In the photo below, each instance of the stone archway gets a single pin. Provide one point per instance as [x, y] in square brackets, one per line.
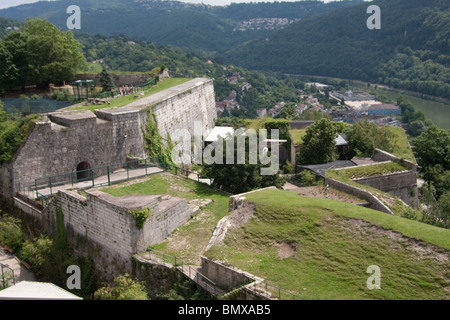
[83, 172]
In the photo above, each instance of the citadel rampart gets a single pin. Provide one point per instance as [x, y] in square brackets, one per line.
[70, 141]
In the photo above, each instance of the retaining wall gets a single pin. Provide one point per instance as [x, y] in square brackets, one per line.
[374, 202]
[105, 222]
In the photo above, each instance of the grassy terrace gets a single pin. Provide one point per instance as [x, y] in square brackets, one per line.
[188, 241]
[321, 249]
[365, 171]
[346, 176]
[120, 101]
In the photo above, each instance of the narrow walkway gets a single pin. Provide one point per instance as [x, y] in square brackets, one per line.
[115, 177]
[11, 261]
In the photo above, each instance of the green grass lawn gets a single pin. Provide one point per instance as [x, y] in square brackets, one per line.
[365, 171]
[334, 248]
[121, 101]
[189, 240]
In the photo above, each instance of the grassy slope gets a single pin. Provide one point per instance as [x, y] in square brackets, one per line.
[402, 148]
[332, 253]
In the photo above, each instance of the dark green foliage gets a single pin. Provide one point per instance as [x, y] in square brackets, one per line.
[319, 143]
[152, 138]
[140, 215]
[183, 289]
[365, 136]
[11, 233]
[432, 150]
[41, 54]
[153, 141]
[283, 127]
[13, 132]
[106, 80]
[437, 210]
[188, 26]
[8, 25]
[237, 178]
[410, 51]
[122, 288]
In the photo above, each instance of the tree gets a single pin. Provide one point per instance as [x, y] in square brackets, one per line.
[52, 56]
[106, 79]
[239, 177]
[289, 111]
[319, 143]
[365, 136]
[9, 73]
[432, 149]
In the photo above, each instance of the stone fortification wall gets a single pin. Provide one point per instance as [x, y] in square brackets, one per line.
[106, 222]
[5, 179]
[300, 124]
[63, 140]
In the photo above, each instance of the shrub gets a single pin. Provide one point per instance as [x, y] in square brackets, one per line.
[37, 252]
[123, 288]
[308, 178]
[11, 233]
[140, 215]
[409, 213]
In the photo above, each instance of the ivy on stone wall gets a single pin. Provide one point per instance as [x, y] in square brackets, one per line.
[140, 215]
[153, 140]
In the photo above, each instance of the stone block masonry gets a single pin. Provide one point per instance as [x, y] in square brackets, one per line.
[106, 221]
[68, 141]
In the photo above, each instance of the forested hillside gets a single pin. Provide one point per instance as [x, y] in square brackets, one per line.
[189, 26]
[410, 51]
[121, 53]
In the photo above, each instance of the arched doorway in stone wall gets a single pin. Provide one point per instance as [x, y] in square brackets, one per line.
[83, 171]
